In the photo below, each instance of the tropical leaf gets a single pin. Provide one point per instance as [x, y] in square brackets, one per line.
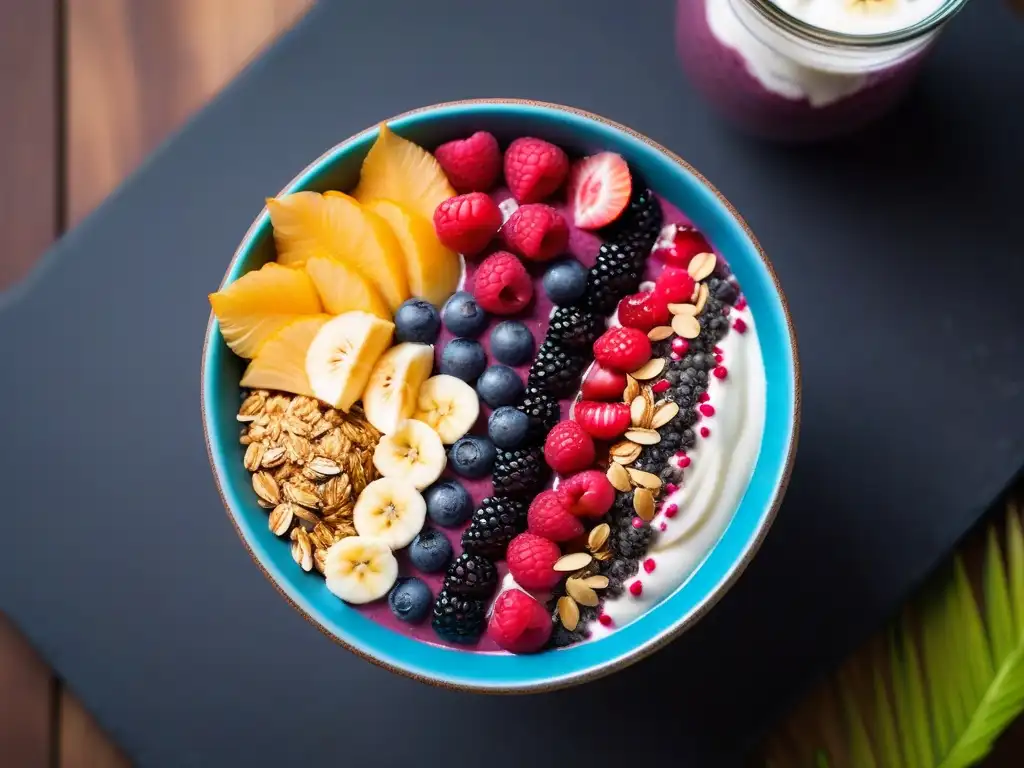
[951, 677]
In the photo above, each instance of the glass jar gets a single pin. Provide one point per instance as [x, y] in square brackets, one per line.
[780, 77]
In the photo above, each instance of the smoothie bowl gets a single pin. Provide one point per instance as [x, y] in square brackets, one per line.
[501, 395]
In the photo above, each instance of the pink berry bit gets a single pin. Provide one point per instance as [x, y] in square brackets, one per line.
[717, 349]
[671, 487]
[663, 526]
[739, 325]
[680, 346]
[605, 619]
[719, 359]
[704, 397]
[705, 432]
[684, 460]
[649, 564]
[675, 356]
[720, 372]
[660, 386]
[638, 522]
[636, 589]
[707, 409]
[671, 511]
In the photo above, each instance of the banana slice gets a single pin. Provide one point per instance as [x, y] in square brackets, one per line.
[360, 570]
[342, 355]
[391, 511]
[390, 394]
[449, 405]
[412, 452]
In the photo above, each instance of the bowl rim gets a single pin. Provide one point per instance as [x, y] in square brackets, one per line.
[737, 568]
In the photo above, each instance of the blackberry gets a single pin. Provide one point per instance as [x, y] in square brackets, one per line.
[641, 222]
[458, 619]
[543, 410]
[609, 280]
[521, 473]
[631, 543]
[493, 526]
[556, 370]
[471, 576]
[574, 328]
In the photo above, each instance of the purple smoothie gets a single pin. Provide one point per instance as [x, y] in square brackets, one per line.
[722, 77]
[584, 246]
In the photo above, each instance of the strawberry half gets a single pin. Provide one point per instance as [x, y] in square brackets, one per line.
[603, 421]
[599, 190]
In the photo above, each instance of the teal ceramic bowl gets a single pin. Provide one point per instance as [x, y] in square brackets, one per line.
[669, 175]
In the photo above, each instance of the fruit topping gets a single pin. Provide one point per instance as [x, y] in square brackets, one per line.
[281, 362]
[536, 232]
[639, 226]
[678, 251]
[568, 448]
[674, 286]
[464, 359]
[260, 303]
[599, 189]
[471, 576]
[396, 169]
[471, 164]
[502, 285]
[342, 355]
[463, 316]
[622, 349]
[556, 369]
[519, 473]
[359, 569]
[565, 282]
[543, 410]
[413, 453]
[410, 600]
[499, 385]
[342, 289]
[393, 387]
[448, 405]
[531, 560]
[508, 427]
[497, 520]
[574, 328]
[615, 273]
[472, 456]
[430, 551]
[448, 503]
[534, 169]
[512, 343]
[549, 516]
[458, 619]
[644, 311]
[391, 511]
[467, 223]
[603, 384]
[603, 421]
[588, 493]
[519, 624]
[417, 320]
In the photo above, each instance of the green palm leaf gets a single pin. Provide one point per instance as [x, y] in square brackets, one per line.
[952, 675]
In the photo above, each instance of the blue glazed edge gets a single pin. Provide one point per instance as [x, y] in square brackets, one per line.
[501, 672]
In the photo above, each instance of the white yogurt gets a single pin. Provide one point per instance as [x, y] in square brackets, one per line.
[865, 17]
[720, 469]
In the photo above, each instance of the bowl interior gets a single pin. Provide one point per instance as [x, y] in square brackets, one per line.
[338, 169]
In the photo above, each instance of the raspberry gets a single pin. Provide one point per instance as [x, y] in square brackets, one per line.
[502, 285]
[622, 349]
[568, 448]
[467, 223]
[531, 561]
[549, 517]
[604, 421]
[472, 164]
[644, 311]
[536, 232]
[588, 494]
[674, 286]
[519, 624]
[603, 384]
[686, 243]
[534, 169]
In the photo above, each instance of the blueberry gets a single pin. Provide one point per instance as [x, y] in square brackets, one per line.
[512, 343]
[507, 427]
[448, 503]
[417, 320]
[410, 599]
[472, 456]
[565, 281]
[463, 316]
[430, 551]
[464, 359]
[499, 385]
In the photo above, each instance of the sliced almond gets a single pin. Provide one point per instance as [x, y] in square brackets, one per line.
[660, 333]
[664, 413]
[636, 411]
[581, 593]
[596, 582]
[603, 554]
[573, 562]
[280, 520]
[682, 309]
[568, 613]
[632, 389]
[686, 326]
[618, 477]
[702, 297]
[701, 266]
[646, 480]
[625, 452]
[643, 503]
[266, 488]
[598, 536]
[648, 394]
[643, 437]
[650, 369]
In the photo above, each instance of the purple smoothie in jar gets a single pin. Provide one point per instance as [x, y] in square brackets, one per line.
[779, 77]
